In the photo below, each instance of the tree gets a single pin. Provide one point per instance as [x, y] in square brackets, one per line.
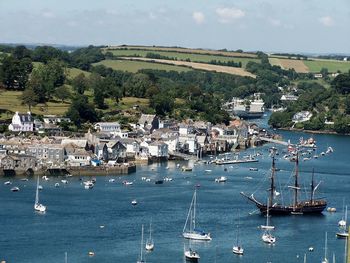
[341, 83]
[63, 93]
[14, 72]
[162, 104]
[347, 104]
[81, 111]
[29, 98]
[46, 78]
[79, 83]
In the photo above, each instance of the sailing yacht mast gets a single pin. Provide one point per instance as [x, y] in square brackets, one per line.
[194, 208]
[272, 188]
[37, 191]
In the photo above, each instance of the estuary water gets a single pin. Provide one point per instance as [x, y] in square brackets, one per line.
[103, 220]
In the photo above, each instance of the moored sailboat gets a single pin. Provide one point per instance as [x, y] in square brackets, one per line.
[149, 242]
[311, 206]
[191, 232]
[343, 233]
[37, 206]
[141, 259]
[237, 248]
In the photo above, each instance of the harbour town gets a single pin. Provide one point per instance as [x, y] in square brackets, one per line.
[174, 131]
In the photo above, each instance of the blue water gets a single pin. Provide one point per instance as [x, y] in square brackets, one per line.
[74, 216]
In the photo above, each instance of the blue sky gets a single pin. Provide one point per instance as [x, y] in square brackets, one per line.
[317, 26]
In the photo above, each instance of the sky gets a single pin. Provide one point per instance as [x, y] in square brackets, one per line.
[300, 26]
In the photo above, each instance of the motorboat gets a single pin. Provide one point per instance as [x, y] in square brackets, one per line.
[8, 183]
[268, 238]
[134, 202]
[57, 185]
[221, 179]
[112, 180]
[88, 184]
[253, 169]
[15, 189]
[127, 183]
[64, 181]
[149, 242]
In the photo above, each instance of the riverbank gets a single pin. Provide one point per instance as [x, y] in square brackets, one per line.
[122, 169]
[311, 131]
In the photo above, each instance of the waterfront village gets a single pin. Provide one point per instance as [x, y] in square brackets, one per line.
[39, 146]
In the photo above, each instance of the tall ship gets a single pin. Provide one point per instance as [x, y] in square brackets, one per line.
[297, 207]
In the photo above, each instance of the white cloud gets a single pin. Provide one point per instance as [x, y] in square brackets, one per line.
[48, 14]
[274, 22]
[152, 16]
[198, 17]
[229, 14]
[326, 21]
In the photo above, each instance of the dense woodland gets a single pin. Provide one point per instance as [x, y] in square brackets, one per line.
[41, 74]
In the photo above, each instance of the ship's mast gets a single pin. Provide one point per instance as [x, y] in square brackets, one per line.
[272, 188]
[296, 184]
[312, 187]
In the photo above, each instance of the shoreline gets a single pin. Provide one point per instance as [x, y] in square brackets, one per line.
[312, 131]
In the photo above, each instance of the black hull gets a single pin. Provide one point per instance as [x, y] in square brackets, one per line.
[290, 210]
[303, 208]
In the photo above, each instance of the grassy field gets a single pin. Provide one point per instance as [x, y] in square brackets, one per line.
[306, 66]
[183, 56]
[186, 50]
[331, 65]
[134, 66]
[71, 72]
[200, 66]
[298, 65]
[10, 101]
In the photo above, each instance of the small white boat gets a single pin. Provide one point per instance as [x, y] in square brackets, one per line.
[268, 238]
[111, 180]
[191, 255]
[148, 180]
[8, 183]
[134, 202]
[88, 184]
[15, 189]
[325, 260]
[24, 179]
[64, 181]
[208, 171]
[91, 253]
[40, 187]
[127, 183]
[323, 153]
[168, 179]
[253, 169]
[45, 178]
[331, 209]
[57, 185]
[329, 150]
[221, 179]
[143, 178]
[311, 249]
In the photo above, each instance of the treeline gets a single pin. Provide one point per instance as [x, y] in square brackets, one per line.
[328, 105]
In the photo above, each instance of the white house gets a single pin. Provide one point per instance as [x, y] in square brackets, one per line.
[289, 97]
[22, 122]
[172, 142]
[158, 149]
[78, 156]
[302, 116]
[108, 127]
[188, 143]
